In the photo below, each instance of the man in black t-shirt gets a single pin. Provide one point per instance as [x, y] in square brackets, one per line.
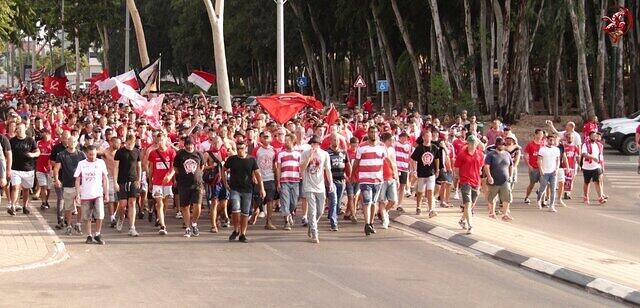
[426, 158]
[55, 150]
[243, 172]
[188, 166]
[24, 151]
[63, 173]
[127, 172]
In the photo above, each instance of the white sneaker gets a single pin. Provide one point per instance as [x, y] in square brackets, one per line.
[179, 215]
[261, 215]
[133, 232]
[552, 209]
[385, 220]
[456, 195]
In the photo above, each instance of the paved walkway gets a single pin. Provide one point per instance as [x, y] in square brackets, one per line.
[536, 243]
[26, 242]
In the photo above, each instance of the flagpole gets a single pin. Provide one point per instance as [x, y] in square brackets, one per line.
[159, 73]
[62, 26]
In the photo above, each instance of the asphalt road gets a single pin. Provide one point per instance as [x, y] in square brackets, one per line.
[394, 268]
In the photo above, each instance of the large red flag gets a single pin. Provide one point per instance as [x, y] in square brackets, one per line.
[55, 85]
[283, 107]
[93, 87]
[332, 115]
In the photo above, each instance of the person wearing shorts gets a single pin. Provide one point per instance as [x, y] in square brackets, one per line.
[389, 188]
[498, 166]
[592, 167]
[91, 185]
[531, 158]
[242, 172]
[467, 168]
[43, 168]
[64, 171]
[188, 165]
[426, 158]
[128, 172]
[403, 151]
[25, 151]
[160, 165]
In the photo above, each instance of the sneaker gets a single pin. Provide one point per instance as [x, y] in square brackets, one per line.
[225, 223]
[195, 231]
[187, 232]
[385, 220]
[400, 209]
[469, 229]
[26, 210]
[602, 200]
[150, 217]
[119, 224]
[456, 195]
[371, 229]
[133, 232]
[43, 206]
[270, 226]
[77, 229]
[98, 239]
[162, 231]
[527, 201]
[304, 221]
[462, 224]
[89, 240]
[178, 215]
[539, 204]
[418, 211]
[243, 238]
[233, 236]
[68, 231]
[367, 231]
[334, 228]
[11, 211]
[261, 215]
[552, 209]
[112, 223]
[432, 214]
[287, 226]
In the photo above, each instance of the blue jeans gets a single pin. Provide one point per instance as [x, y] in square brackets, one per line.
[240, 202]
[289, 193]
[334, 201]
[548, 179]
[370, 193]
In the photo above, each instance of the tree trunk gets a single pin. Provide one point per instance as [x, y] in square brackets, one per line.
[471, 51]
[385, 64]
[311, 58]
[323, 54]
[433, 4]
[619, 99]
[600, 71]
[454, 60]
[372, 49]
[216, 19]
[584, 91]
[487, 63]
[557, 69]
[77, 43]
[388, 54]
[140, 38]
[104, 38]
[503, 29]
[410, 52]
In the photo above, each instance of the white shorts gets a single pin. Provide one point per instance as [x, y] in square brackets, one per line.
[158, 191]
[22, 178]
[424, 184]
[44, 180]
[561, 176]
[144, 186]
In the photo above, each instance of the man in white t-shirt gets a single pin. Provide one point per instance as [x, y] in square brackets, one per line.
[92, 188]
[592, 167]
[570, 129]
[549, 162]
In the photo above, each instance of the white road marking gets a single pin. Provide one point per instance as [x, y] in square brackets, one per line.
[275, 251]
[625, 186]
[621, 219]
[338, 285]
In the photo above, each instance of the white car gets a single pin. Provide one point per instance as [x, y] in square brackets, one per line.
[622, 137]
[615, 121]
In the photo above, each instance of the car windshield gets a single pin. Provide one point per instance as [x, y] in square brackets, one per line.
[634, 115]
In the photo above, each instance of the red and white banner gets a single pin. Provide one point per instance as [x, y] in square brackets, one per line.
[202, 79]
[128, 78]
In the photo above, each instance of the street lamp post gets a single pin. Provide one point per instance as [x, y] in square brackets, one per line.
[280, 45]
[127, 22]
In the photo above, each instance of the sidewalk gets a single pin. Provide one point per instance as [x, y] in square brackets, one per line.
[27, 242]
[624, 270]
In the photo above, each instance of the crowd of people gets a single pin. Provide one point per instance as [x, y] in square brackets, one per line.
[96, 159]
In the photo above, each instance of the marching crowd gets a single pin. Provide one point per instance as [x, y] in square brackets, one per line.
[96, 159]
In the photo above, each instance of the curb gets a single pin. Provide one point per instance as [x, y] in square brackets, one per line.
[58, 255]
[588, 282]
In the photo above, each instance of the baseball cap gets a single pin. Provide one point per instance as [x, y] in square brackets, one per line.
[472, 139]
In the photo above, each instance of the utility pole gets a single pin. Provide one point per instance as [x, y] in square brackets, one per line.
[127, 22]
[62, 40]
[280, 45]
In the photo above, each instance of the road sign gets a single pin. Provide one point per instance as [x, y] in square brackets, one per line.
[383, 86]
[360, 82]
[302, 81]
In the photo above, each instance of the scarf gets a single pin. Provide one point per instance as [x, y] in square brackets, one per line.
[590, 150]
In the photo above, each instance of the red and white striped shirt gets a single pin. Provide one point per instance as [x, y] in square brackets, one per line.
[371, 161]
[289, 166]
[403, 156]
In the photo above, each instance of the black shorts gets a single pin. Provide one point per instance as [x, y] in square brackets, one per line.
[189, 196]
[127, 190]
[591, 175]
[403, 177]
[270, 191]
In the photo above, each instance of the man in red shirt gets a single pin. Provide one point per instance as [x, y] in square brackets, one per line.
[467, 168]
[368, 105]
[531, 157]
[589, 126]
[458, 143]
[160, 164]
[43, 168]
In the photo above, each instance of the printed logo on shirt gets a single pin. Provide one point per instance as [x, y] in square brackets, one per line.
[314, 166]
[190, 166]
[427, 158]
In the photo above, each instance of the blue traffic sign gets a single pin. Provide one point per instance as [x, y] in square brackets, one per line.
[383, 86]
[302, 81]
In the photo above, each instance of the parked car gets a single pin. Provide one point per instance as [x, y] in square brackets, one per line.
[604, 124]
[622, 137]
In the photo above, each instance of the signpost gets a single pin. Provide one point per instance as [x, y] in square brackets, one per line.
[382, 86]
[302, 82]
[359, 84]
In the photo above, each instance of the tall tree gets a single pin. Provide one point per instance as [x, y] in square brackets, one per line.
[216, 19]
[410, 51]
[140, 38]
[584, 91]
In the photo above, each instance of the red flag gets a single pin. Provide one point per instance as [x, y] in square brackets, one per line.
[282, 107]
[93, 87]
[55, 85]
[332, 115]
